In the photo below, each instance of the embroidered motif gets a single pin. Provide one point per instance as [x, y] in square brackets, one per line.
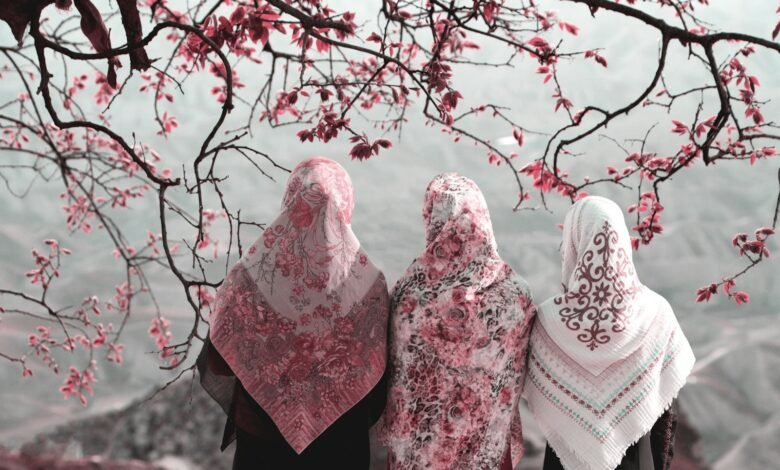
[602, 295]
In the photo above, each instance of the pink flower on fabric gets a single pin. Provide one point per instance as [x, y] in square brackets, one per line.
[344, 326]
[335, 365]
[406, 305]
[504, 396]
[284, 263]
[264, 328]
[301, 214]
[462, 295]
[319, 283]
[449, 246]
[304, 343]
[286, 325]
[436, 273]
[268, 240]
[299, 368]
[321, 311]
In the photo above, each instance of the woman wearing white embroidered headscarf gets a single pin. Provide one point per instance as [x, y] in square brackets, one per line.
[607, 356]
[460, 320]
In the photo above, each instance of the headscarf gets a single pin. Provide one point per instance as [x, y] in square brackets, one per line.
[460, 320]
[301, 319]
[607, 356]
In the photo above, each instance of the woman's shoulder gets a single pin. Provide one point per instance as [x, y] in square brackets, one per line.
[547, 307]
[512, 277]
[656, 299]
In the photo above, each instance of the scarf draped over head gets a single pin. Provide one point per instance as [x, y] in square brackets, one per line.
[460, 324]
[607, 356]
[301, 319]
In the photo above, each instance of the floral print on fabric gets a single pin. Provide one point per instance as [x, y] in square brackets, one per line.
[302, 317]
[460, 320]
[310, 248]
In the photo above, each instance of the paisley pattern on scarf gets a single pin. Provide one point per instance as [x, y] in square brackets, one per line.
[607, 357]
[301, 319]
[460, 324]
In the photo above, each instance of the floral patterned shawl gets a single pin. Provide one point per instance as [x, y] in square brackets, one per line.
[459, 328]
[607, 356]
[301, 319]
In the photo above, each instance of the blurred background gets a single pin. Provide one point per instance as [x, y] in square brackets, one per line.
[731, 405]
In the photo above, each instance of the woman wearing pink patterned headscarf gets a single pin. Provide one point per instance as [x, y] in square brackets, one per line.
[607, 356]
[297, 344]
[460, 320]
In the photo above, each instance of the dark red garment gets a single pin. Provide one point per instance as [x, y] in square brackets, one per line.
[259, 443]
[506, 464]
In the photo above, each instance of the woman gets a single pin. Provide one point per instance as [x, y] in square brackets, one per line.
[298, 337]
[607, 357]
[459, 328]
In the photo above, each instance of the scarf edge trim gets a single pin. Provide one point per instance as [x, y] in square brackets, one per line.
[680, 371]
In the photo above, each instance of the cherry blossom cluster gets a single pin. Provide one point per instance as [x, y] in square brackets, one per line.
[47, 266]
[649, 225]
[754, 250]
[75, 331]
[160, 331]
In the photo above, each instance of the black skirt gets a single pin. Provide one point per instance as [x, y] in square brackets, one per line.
[344, 445]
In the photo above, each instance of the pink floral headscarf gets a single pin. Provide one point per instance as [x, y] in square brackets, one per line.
[460, 324]
[301, 319]
[607, 356]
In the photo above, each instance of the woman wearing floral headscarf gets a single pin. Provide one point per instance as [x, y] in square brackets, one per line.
[460, 320]
[297, 344]
[607, 356]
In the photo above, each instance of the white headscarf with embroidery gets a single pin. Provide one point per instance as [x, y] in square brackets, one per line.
[607, 356]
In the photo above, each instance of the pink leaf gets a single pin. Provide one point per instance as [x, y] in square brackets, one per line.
[518, 135]
[741, 298]
[489, 10]
[569, 28]
[679, 127]
[536, 41]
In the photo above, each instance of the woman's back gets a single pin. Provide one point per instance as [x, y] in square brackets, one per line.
[300, 326]
[460, 319]
[607, 356]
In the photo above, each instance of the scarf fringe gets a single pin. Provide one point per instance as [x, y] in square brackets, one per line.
[646, 414]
